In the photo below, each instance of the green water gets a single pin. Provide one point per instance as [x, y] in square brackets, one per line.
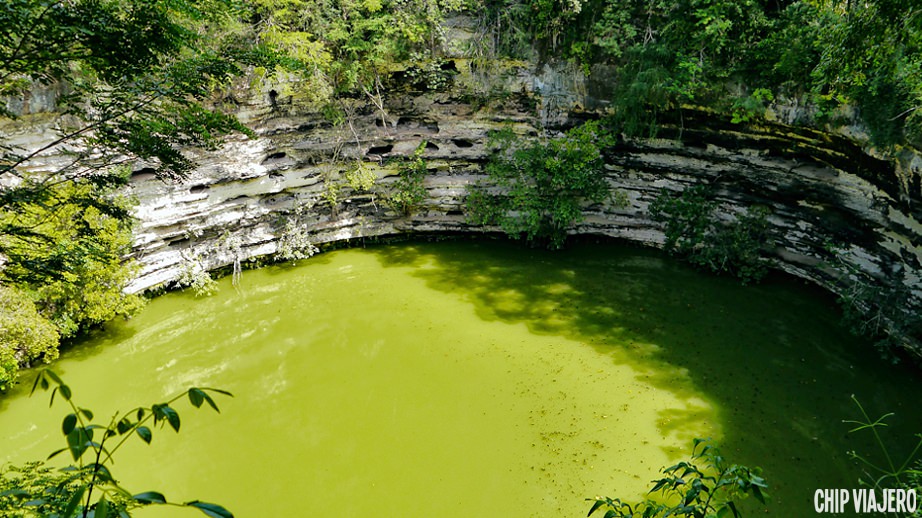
[476, 379]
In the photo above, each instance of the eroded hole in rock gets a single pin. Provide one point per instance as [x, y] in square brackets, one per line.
[145, 173]
[462, 142]
[432, 147]
[275, 157]
[198, 189]
[380, 150]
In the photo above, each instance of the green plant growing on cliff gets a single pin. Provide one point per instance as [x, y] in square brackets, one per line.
[408, 193]
[88, 488]
[693, 230]
[293, 241]
[361, 177]
[129, 81]
[706, 486]
[193, 275]
[537, 190]
[752, 106]
[870, 310]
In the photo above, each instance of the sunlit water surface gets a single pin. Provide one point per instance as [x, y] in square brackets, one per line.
[475, 379]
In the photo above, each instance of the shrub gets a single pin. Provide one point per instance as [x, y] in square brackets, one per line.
[694, 231]
[538, 189]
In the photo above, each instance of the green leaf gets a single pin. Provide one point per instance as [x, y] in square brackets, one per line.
[102, 508]
[149, 497]
[56, 453]
[70, 422]
[71, 508]
[102, 472]
[123, 426]
[14, 493]
[78, 440]
[39, 379]
[87, 414]
[211, 402]
[65, 392]
[145, 434]
[51, 374]
[196, 397]
[598, 503]
[171, 416]
[212, 510]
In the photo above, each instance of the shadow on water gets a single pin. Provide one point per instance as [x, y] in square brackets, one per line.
[772, 359]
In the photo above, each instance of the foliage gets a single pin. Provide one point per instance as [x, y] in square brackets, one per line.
[193, 275]
[294, 242]
[25, 335]
[537, 189]
[71, 257]
[408, 192]
[726, 54]
[869, 310]
[64, 257]
[35, 490]
[751, 107]
[706, 486]
[344, 46]
[361, 177]
[693, 230]
[905, 474]
[130, 81]
[51, 488]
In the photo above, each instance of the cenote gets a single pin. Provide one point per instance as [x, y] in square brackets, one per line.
[477, 378]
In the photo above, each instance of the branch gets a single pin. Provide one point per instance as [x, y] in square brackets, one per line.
[81, 131]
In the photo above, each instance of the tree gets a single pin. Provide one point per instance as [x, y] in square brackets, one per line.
[132, 86]
[537, 190]
[132, 80]
[24, 334]
[36, 490]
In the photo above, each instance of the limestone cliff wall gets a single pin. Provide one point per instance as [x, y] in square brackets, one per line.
[838, 208]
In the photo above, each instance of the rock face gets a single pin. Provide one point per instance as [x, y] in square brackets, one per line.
[841, 215]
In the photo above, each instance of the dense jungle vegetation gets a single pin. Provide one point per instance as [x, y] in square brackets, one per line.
[139, 79]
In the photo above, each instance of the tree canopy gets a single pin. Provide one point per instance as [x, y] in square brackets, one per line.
[131, 81]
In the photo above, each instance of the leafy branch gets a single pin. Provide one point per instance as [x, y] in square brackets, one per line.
[706, 486]
[89, 443]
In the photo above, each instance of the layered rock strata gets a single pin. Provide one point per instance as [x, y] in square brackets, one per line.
[840, 214]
